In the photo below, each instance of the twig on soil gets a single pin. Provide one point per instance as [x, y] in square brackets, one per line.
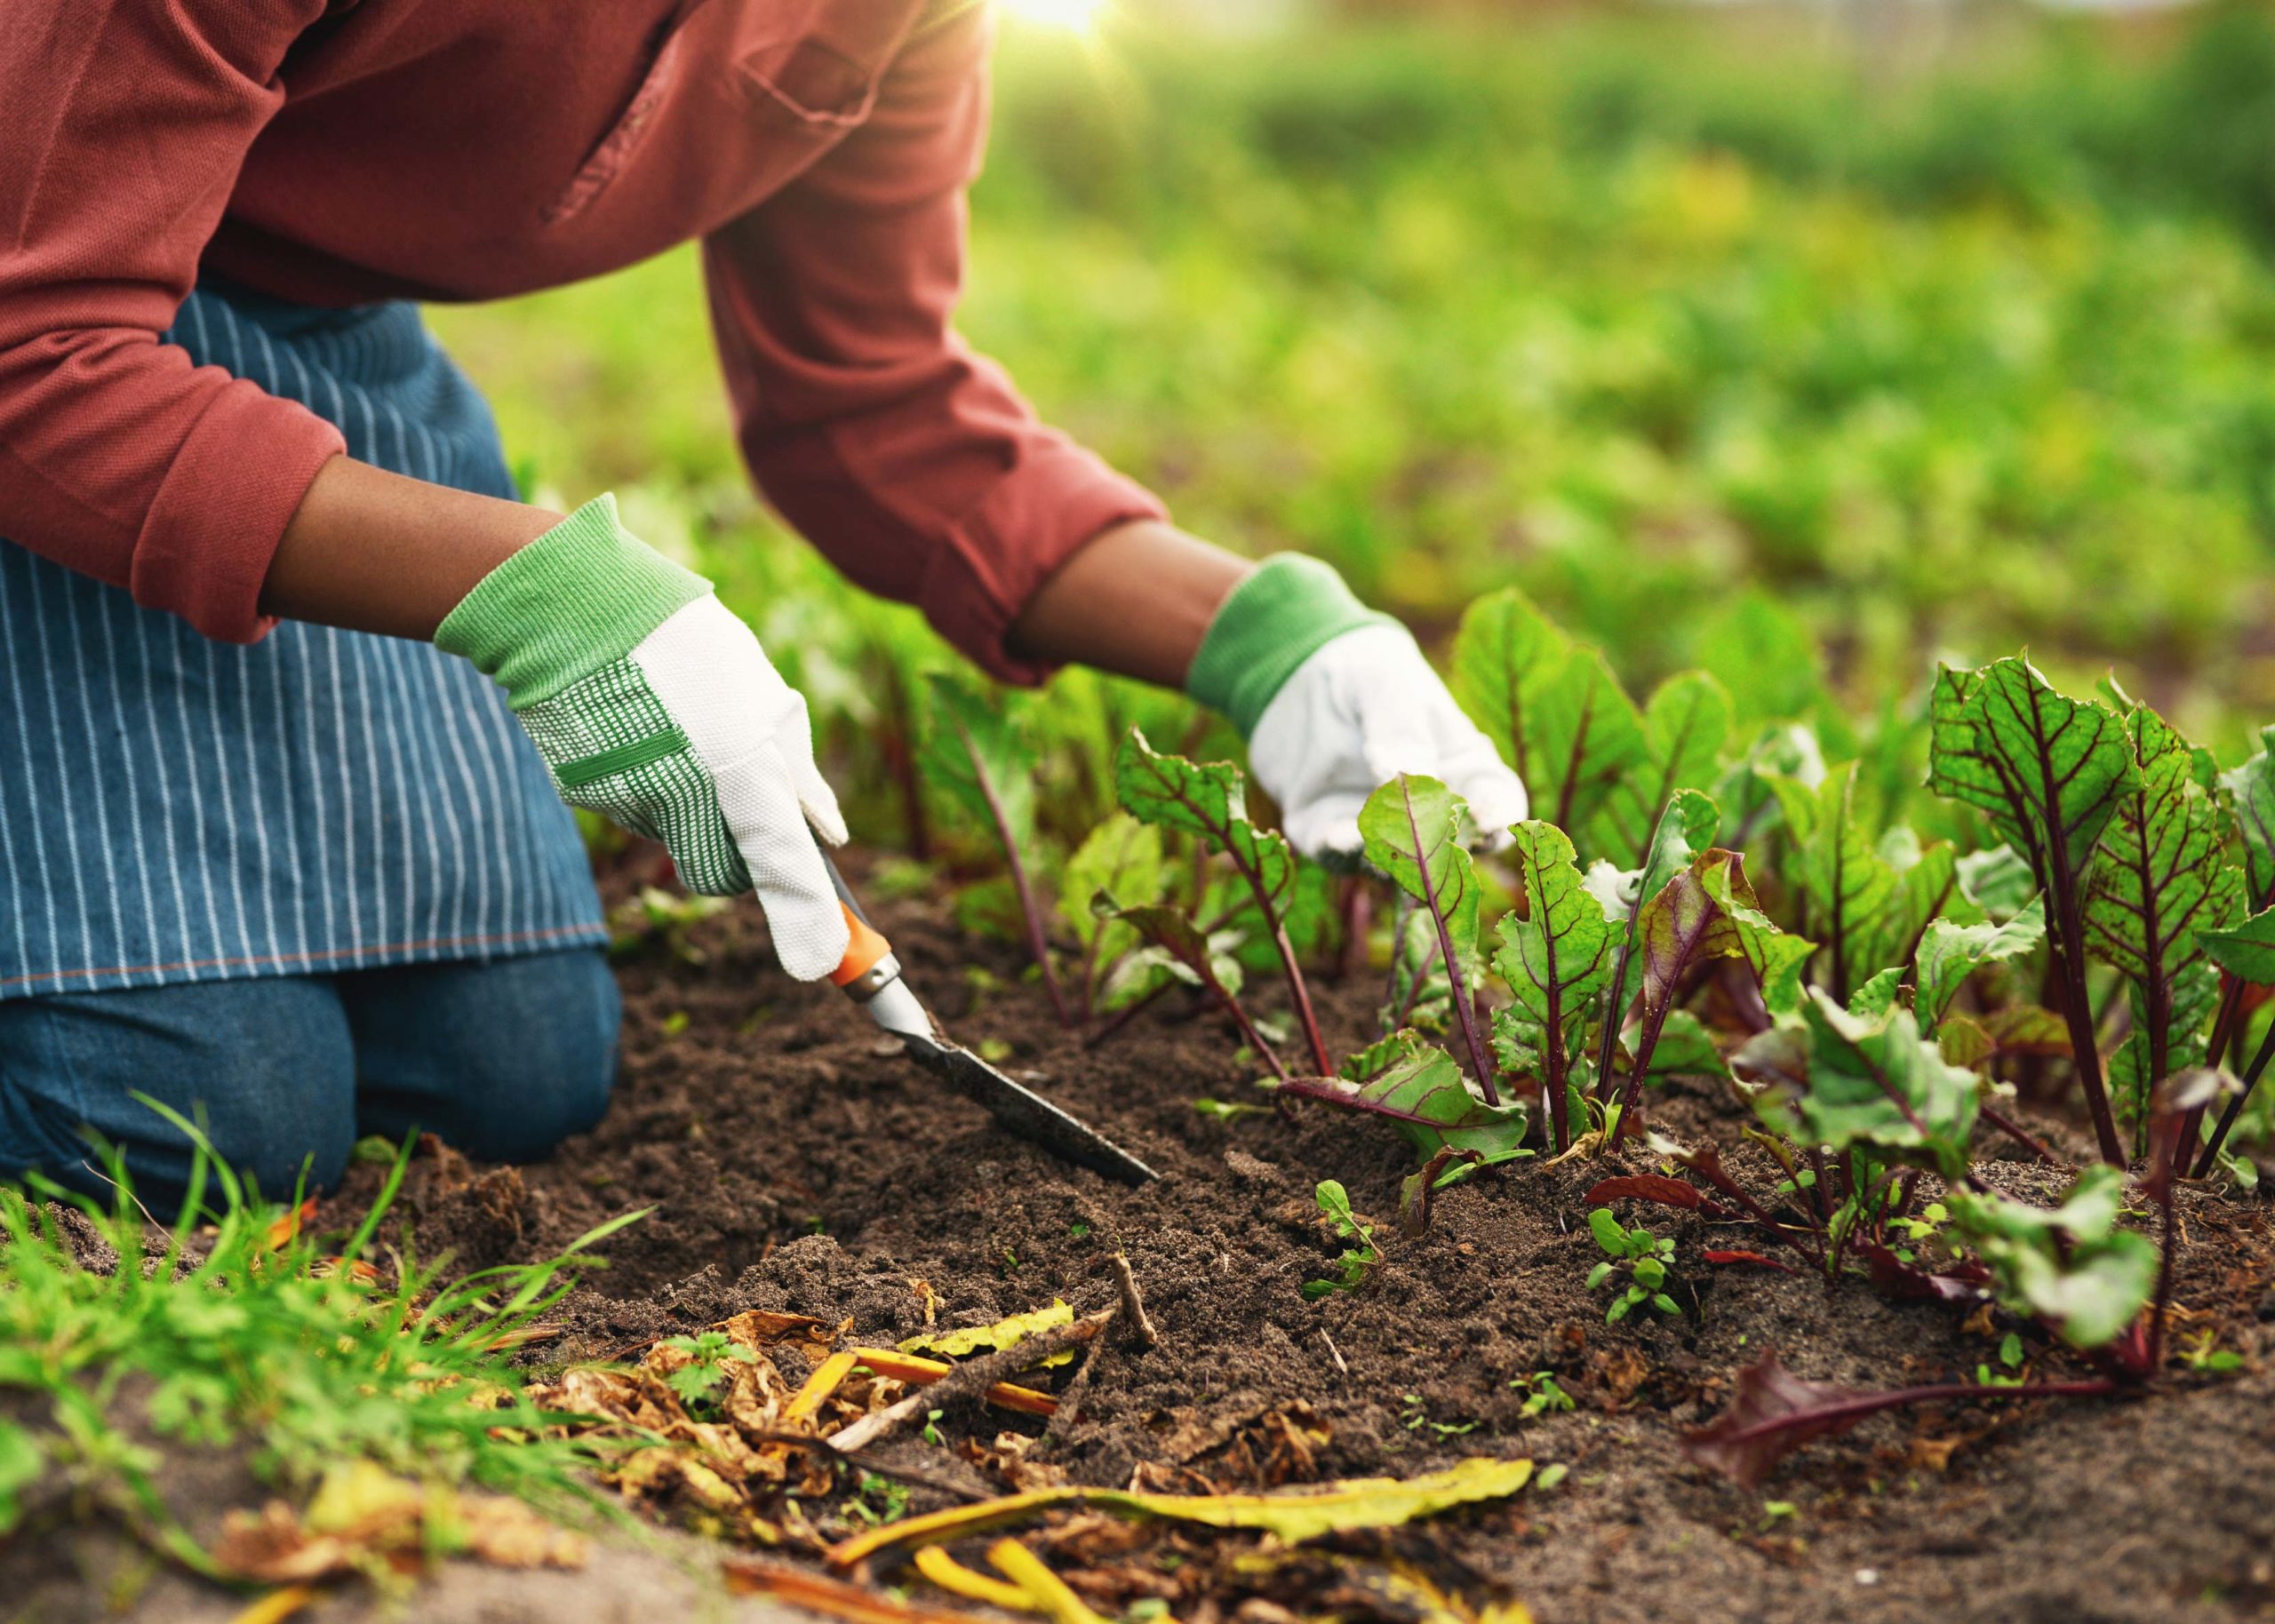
[1139, 1328]
[1332, 1349]
[968, 1379]
[969, 1492]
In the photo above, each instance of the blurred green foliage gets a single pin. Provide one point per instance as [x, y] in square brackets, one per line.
[1713, 338]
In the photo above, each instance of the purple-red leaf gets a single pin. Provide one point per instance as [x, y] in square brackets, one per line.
[1773, 1413]
[1763, 1259]
[1892, 1277]
[1646, 1187]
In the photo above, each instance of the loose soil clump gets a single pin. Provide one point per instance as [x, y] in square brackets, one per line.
[797, 1164]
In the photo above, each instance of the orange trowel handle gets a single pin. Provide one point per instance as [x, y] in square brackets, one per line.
[864, 947]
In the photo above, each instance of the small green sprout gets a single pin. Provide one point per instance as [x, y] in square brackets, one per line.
[1229, 1110]
[1638, 1255]
[697, 1382]
[931, 1432]
[2206, 1355]
[2010, 1357]
[878, 1500]
[1416, 1414]
[1543, 1396]
[1351, 1267]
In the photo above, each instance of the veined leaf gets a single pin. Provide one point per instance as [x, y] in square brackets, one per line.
[1705, 911]
[2050, 772]
[1420, 995]
[1844, 886]
[1844, 1079]
[2246, 951]
[1685, 1049]
[1417, 1086]
[1178, 946]
[1950, 954]
[1121, 857]
[1550, 706]
[2139, 1063]
[1557, 957]
[1998, 881]
[1877, 996]
[1686, 828]
[1413, 828]
[2072, 1266]
[2159, 878]
[1209, 800]
[1788, 749]
[1686, 724]
[2251, 789]
[1928, 887]
[978, 753]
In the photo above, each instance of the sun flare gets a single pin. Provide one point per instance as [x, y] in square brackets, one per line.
[1075, 16]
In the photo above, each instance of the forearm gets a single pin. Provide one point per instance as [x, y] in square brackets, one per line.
[1135, 602]
[371, 550]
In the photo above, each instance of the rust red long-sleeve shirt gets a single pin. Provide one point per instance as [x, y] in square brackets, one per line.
[335, 151]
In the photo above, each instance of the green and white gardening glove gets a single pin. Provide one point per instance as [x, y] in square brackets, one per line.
[655, 706]
[1336, 700]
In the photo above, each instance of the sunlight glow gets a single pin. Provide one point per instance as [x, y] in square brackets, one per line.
[1081, 17]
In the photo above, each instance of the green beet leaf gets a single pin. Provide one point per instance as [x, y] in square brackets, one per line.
[2072, 1266]
[2251, 790]
[1420, 995]
[2159, 878]
[1686, 724]
[1556, 958]
[1413, 828]
[1841, 884]
[2246, 951]
[1209, 800]
[976, 751]
[1927, 887]
[1551, 707]
[1998, 881]
[1686, 828]
[1949, 953]
[2050, 772]
[1417, 1087]
[1707, 911]
[1841, 1080]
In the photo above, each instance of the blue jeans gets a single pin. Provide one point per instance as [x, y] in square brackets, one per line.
[503, 1059]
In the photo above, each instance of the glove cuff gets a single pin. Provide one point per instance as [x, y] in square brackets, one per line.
[1273, 621]
[578, 598]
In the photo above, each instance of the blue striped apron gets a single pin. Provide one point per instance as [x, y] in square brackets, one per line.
[174, 809]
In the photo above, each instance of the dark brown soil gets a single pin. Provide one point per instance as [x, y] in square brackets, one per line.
[798, 1163]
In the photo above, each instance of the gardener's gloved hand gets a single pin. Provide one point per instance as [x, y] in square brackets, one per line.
[1336, 700]
[654, 706]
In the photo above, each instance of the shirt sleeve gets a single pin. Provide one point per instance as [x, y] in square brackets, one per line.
[909, 461]
[127, 122]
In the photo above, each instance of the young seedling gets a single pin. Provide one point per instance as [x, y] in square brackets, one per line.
[1413, 828]
[1209, 801]
[698, 1381]
[1543, 1396]
[1639, 1257]
[1359, 1255]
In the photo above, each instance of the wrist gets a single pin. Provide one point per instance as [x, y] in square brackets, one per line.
[580, 596]
[1284, 612]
